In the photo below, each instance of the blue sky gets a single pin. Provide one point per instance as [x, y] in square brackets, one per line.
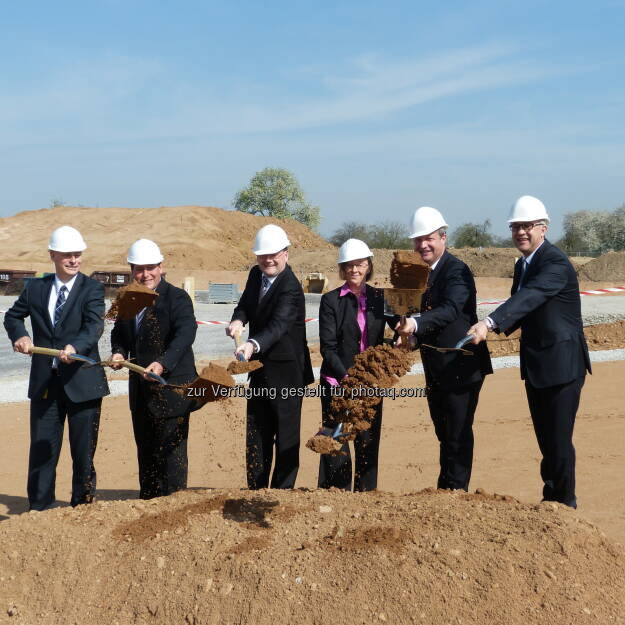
[377, 108]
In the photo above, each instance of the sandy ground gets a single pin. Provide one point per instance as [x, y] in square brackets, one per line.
[506, 456]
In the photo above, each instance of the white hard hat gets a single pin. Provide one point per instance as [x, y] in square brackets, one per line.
[144, 252]
[353, 249]
[270, 239]
[66, 239]
[425, 221]
[528, 208]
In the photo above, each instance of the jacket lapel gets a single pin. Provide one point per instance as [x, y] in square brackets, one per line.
[47, 284]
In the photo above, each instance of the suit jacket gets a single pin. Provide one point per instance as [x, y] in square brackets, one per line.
[548, 310]
[166, 335]
[339, 331]
[448, 310]
[277, 325]
[81, 324]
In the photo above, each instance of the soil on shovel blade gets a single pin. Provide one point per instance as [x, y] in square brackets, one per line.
[130, 300]
[408, 271]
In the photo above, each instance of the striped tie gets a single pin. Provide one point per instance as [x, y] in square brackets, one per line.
[139, 319]
[60, 302]
[266, 285]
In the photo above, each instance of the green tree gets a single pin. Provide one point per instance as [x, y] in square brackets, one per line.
[390, 235]
[350, 230]
[275, 192]
[474, 235]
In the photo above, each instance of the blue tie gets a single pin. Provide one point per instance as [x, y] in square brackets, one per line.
[139, 319]
[266, 285]
[60, 302]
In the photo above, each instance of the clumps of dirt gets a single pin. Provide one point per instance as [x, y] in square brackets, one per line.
[297, 556]
[376, 368]
[408, 271]
[322, 444]
[211, 385]
[243, 366]
[598, 337]
[605, 335]
[610, 266]
[130, 300]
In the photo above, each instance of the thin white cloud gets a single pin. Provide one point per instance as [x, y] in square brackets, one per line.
[134, 99]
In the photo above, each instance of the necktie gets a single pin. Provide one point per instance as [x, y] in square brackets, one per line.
[139, 319]
[60, 302]
[523, 274]
[265, 286]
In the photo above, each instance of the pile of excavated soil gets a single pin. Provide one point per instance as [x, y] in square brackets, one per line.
[610, 266]
[191, 237]
[494, 262]
[310, 557]
[599, 336]
[129, 300]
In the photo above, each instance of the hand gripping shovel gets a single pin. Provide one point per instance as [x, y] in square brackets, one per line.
[240, 365]
[133, 367]
[56, 353]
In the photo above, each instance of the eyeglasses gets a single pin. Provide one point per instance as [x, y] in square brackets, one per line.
[527, 227]
[361, 265]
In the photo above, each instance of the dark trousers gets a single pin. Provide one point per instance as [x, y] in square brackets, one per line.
[273, 422]
[452, 413]
[336, 471]
[47, 420]
[553, 411]
[161, 452]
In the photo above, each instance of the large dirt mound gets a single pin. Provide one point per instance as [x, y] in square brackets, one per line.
[195, 237]
[610, 266]
[310, 557]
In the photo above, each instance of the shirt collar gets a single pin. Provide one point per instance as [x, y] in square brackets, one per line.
[345, 290]
[528, 259]
[270, 278]
[68, 285]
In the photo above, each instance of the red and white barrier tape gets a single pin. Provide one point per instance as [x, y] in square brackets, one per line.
[610, 289]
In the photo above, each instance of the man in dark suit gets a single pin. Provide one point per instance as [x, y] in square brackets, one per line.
[159, 338]
[66, 311]
[273, 305]
[545, 303]
[453, 380]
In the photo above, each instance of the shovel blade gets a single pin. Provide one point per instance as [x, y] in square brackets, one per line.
[402, 302]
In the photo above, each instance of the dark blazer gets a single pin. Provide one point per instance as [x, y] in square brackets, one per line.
[339, 332]
[166, 335]
[277, 324]
[81, 324]
[448, 310]
[548, 310]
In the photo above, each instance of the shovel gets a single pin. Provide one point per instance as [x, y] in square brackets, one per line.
[334, 433]
[458, 347]
[56, 353]
[136, 368]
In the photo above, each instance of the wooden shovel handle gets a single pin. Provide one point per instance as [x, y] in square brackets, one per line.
[45, 351]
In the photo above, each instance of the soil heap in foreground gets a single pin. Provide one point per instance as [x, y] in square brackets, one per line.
[305, 557]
